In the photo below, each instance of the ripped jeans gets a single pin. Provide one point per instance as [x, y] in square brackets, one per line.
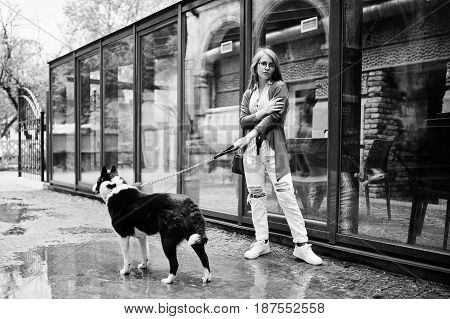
[255, 167]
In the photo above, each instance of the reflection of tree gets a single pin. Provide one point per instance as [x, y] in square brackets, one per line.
[119, 53]
[90, 87]
[118, 101]
[118, 63]
[62, 86]
[158, 69]
[160, 44]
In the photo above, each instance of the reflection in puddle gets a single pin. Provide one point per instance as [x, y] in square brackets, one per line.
[270, 282]
[15, 212]
[12, 212]
[29, 280]
[302, 284]
[258, 290]
[90, 270]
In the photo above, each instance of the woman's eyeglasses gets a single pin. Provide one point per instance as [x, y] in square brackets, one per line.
[265, 65]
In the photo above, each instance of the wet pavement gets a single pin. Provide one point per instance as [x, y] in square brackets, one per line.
[55, 245]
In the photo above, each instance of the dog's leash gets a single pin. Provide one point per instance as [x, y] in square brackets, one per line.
[212, 158]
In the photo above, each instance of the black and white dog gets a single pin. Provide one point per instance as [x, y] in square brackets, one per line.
[133, 213]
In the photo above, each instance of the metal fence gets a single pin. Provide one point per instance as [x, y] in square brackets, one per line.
[31, 159]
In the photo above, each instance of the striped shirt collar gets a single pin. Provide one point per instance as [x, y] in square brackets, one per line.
[256, 85]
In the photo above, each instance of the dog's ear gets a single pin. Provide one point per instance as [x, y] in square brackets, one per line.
[104, 171]
[114, 170]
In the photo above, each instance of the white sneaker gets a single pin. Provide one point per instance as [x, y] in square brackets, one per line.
[257, 249]
[305, 253]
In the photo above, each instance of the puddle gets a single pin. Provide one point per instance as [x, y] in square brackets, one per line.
[29, 280]
[92, 271]
[16, 212]
[12, 212]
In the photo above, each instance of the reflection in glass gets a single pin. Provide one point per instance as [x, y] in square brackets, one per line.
[63, 123]
[118, 101]
[298, 32]
[212, 102]
[350, 106]
[159, 107]
[404, 175]
[90, 118]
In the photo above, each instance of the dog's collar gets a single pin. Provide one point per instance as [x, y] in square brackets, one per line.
[117, 190]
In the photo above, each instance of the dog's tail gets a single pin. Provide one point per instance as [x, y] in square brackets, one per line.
[194, 239]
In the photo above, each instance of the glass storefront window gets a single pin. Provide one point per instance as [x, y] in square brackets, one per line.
[403, 124]
[90, 118]
[298, 33]
[119, 106]
[63, 123]
[159, 114]
[212, 102]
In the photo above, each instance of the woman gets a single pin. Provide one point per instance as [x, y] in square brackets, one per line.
[263, 112]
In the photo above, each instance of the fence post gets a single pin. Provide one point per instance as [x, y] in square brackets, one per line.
[19, 119]
[42, 144]
[48, 155]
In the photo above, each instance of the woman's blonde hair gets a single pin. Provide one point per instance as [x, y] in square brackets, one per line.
[276, 75]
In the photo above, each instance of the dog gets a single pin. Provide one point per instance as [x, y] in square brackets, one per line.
[136, 214]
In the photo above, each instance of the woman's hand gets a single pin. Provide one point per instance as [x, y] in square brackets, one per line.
[275, 105]
[241, 143]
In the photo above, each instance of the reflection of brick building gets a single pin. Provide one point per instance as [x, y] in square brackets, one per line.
[404, 66]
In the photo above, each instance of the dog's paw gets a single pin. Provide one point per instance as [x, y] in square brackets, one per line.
[206, 276]
[124, 272]
[143, 266]
[206, 279]
[169, 279]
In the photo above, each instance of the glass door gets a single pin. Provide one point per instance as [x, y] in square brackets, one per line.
[63, 124]
[118, 88]
[158, 107]
[211, 103]
[89, 118]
